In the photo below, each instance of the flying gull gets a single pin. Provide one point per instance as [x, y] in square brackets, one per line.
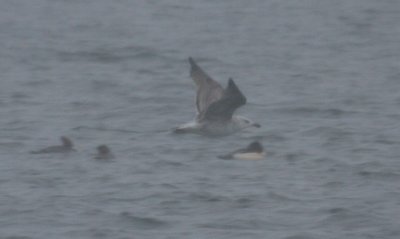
[253, 151]
[67, 146]
[215, 106]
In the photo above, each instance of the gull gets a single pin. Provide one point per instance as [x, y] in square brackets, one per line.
[67, 146]
[215, 106]
[253, 151]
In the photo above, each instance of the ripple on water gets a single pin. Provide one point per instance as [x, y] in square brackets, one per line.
[144, 223]
[205, 197]
[376, 170]
[17, 237]
[295, 156]
[385, 175]
[10, 145]
[345, 218]
[244, 202]
[280, 197]
[303, 236]
[236, 224]
[316, 111]
[331, 133]
[109, 55]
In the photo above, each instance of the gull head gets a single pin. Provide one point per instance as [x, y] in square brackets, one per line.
[244, 122]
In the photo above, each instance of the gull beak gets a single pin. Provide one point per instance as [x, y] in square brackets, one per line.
[256, 125]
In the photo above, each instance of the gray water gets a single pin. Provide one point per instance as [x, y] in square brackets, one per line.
[321, 77]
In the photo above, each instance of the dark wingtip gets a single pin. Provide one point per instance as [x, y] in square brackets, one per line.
[193, 66]
[234, 90]
[191, 61]
[232, 86]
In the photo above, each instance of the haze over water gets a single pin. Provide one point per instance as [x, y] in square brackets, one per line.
[321, 77]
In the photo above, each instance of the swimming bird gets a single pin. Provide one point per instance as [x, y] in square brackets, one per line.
[103, 152]
[67, 146]
[253, 151]
[215, 106]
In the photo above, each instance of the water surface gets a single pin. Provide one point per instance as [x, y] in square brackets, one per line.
[321, 77]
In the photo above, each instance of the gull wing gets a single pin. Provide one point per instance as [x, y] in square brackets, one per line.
[208, 90]
[223, 109]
